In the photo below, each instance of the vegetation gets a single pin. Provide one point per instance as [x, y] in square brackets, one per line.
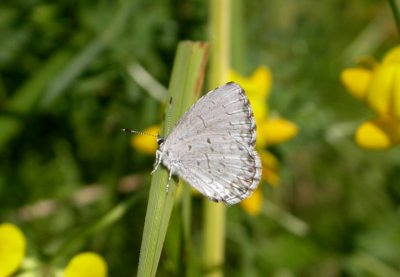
[74, 73]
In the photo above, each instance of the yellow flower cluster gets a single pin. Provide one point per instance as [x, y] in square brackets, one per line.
[379, 87]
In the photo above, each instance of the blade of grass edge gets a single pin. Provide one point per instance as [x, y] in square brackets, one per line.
[185, 85]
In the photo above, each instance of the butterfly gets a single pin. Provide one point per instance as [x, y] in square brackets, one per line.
[212, 147]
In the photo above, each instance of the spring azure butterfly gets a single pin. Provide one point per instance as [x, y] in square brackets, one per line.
[212, 146]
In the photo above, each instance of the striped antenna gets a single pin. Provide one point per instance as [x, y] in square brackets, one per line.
[138, 132]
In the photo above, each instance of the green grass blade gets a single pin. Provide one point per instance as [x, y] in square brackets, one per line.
[185, 86]
[72, 241]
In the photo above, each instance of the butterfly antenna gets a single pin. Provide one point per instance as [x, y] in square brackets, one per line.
[137, 132]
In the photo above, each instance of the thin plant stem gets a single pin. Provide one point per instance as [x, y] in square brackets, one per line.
[214, 213]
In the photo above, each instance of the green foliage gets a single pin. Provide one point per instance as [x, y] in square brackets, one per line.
[70, 180]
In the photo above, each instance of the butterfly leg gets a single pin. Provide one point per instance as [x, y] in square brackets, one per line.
[158, 161]
[169, 179]
[171, 172]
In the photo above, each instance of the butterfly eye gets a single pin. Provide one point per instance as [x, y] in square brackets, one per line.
[160, 140]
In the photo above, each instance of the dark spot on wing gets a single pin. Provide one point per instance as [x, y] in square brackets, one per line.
[208, 140]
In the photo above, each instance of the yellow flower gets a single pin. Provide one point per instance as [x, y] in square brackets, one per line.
[270, 165]
[380, 133]
[277, 130]
[356, 80]
[12, 248]
[257, 85]
[86, 264]
[146, 144]
[253, 204]
[379, 87]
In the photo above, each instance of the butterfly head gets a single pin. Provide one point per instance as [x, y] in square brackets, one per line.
[160, 140]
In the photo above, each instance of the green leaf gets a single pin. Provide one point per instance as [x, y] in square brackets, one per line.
[185, 86]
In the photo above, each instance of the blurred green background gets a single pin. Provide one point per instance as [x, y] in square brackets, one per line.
[67, 88]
